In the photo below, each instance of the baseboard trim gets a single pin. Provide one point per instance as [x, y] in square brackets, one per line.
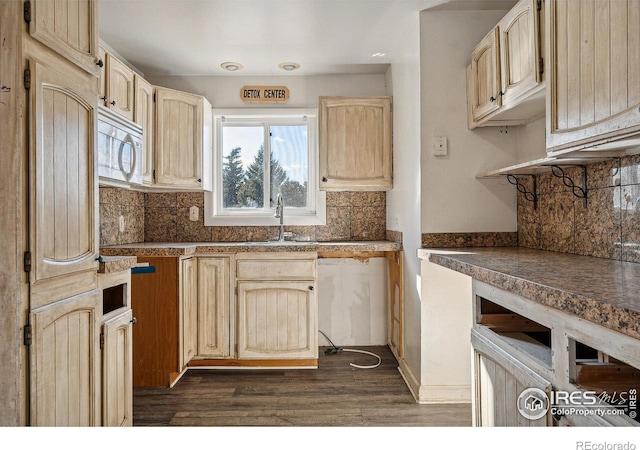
[425, 394]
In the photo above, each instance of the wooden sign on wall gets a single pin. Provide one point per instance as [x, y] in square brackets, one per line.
[264, 94]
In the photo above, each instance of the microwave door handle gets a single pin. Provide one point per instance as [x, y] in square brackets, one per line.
[128, 140]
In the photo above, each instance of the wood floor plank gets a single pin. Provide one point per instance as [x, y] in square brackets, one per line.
[335, 394]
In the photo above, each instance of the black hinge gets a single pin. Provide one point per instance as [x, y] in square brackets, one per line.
[153, 174]
[27, 335]
[27, 262]
[154, 98]
[27, 79]
[539, 2]
[101, 341]
[27, 11]
[541, 64]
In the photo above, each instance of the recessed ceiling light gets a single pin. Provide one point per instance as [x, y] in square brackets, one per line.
[289, 66]
[231, 66]
[378, 55]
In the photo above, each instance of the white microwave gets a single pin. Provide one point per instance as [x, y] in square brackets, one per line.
[119, 148]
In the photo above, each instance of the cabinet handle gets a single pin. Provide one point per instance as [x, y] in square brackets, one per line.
[133, 321]
[199, 180]
[492, 99]
[99, 63]
[103, 98]
[501, 94]
[113, 103]
[311, 288]
[325, 179]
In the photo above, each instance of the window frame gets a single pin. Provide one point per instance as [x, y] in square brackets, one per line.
[217, 215]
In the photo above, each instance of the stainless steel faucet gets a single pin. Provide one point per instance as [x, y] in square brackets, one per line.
[280, 215]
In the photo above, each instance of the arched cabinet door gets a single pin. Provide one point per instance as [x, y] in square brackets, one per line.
[70, 28]
[65, 362]
[63, 186]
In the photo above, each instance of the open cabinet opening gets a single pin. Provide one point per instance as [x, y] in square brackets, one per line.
[522, 333]
[613, 381]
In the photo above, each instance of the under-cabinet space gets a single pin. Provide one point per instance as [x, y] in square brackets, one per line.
[608, 387]
[521, 333]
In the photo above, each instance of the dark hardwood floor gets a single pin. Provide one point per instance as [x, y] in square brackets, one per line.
[335, 394]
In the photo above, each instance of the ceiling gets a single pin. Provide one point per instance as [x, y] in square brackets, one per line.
[194, 37]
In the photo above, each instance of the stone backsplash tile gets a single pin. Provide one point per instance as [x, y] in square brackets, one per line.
[164, 216]
[608, 227]
[117, 202]
[472, 239]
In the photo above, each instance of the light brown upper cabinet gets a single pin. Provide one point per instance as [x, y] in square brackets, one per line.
[505, 83]
[183, 140]
[144, 111]
[355, 143]
[594, 91]
[117, 86]
[69, 28]
[63, 218]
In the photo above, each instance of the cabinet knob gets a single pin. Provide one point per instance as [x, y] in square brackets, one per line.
[199, 180]
[103, 98]
[492, 99]
[99, 63]
[113, 103]
[311, 288]
[133, 321]
[325, 179]
[501, 94]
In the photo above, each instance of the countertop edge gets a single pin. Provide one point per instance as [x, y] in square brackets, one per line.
[593, 309]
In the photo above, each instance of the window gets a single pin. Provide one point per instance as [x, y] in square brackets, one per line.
[258, 155]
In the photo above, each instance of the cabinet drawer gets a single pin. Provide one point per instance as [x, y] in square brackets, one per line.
[276, 269]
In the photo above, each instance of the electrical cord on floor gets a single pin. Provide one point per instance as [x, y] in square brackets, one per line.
[334, 349]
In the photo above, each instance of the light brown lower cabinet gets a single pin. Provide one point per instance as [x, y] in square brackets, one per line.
[117, 371]
[65, 362]
[538, 366]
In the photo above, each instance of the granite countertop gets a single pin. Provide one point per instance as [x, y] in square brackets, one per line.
[603, 291]
[111, 264]
[192, 248]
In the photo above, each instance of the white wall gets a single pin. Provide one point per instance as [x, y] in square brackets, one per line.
[453, 200]
[403, 201]
[224, 92]
[352, 301]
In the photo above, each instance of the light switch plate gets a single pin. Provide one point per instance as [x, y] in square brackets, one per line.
[440, 146]
[194, 212]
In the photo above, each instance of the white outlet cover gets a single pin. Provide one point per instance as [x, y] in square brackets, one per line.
[194, 212]
[121, 224]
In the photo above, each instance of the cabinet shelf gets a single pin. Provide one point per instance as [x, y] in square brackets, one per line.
[544, 165]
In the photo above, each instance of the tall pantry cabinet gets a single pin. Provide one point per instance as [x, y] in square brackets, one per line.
[62, 336]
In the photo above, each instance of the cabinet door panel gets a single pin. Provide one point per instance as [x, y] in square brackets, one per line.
[485, 76]
[277, 320]
[117, 378]
[63, 194]
[189, 312]
[120, 87]
[213, 307]
[68, 27]
[594, 48]
[143, 115]
[519, 48]
[500, 379]
[178, 139]
[65, 362]
[355, 143]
